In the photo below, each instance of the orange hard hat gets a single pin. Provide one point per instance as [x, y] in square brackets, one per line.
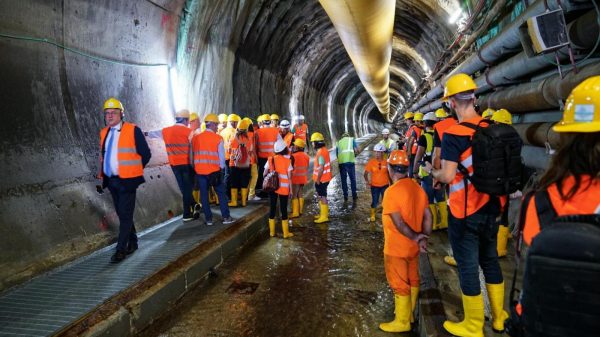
[398, 157]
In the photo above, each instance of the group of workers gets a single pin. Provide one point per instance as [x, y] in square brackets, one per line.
[438, 154]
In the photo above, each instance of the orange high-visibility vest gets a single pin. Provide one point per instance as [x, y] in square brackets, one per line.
[235, 144]
[475, 199]
[205, 147]
[417, 131]
[288, 139]
[176, 139]
[326, 176]
[265, 140]
[300, 170]
[281, 164]
[253, 141]
[228, 133]
[443, 126]
[300, 131]
[130, 162]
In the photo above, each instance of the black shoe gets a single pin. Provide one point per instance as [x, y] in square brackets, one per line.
[118, 257]
[131, 249]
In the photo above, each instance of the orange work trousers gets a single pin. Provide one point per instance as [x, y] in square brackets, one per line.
[402, 273]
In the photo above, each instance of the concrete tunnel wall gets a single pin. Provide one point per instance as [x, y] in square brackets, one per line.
[247, 57]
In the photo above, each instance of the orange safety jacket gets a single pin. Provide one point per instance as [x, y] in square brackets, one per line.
[288, 139]
[475, 199]
[300, 170]
[205, 147]
[280, 164]
[176, 139]
[130, 162]
[300, 131]
[326, 176]
[417, 131]
[265, 140]
[443, 126]
[253, 140]
[228, 134]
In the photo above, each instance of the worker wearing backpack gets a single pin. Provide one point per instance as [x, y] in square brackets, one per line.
[562, 226]
[473, 220]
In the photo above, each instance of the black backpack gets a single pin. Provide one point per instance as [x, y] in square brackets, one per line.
[497, 166]
[560, 295]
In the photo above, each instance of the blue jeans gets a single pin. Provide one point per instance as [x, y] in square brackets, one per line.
[473, 243]
[433, 194]
[376, 193]
[185, 180]
[124, 201]
[347, 169]
[220, 189]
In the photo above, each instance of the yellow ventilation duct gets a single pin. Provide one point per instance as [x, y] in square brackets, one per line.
[366, 28]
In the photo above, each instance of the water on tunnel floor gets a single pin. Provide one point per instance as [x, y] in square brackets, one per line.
[328, 280]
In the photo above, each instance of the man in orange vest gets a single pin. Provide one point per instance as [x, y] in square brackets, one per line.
[474, 216]
[176, 138]
[411, 144]
[284, 131]
[300, 130]
[265, 139]
[228, 133]
[208, 159]
[321, 175]
[123, 155]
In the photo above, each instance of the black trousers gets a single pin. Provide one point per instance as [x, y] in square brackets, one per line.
[282, 205]
[240, 177]
[124, 201]
[259, 182]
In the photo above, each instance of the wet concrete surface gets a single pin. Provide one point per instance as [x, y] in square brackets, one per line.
[328, 280]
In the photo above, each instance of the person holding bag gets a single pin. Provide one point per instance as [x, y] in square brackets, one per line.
[280, 165]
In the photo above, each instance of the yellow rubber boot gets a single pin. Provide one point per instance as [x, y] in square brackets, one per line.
[301, 205]
[496, 296]
[196, 196]
[295, 208]
[244, 197]
[434, 217]
[286, 229]
[443, 208]
[318, 215]
[324, 216]
[414, 296]
[472, 325]
[234, 198]
[401, 322]
[272, 227]
[372, 218]
[450, 260]
[502, 240]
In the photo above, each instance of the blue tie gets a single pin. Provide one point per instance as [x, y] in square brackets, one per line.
[107, 155]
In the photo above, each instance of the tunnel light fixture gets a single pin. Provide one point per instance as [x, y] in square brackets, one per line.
[454, 17]
[175, 92]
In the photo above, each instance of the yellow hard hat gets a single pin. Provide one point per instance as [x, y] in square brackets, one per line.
[408, 115]
[299, 142]
[266, 117]
[113, 103]
[183, 113]
[418, 116]
[193, 116]
[248, 120]
[222, 118]
[274, 116]
[260, 118]
[317, 137]
[243, 125]
[233, 118]
[582, 108]
[489, 112]
[441, 113]
[459, 83]
[502, 116]
[211, 118]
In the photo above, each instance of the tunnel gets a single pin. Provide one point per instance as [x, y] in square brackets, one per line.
[61, 59]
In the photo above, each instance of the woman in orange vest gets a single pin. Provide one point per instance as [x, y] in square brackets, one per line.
[376, 175]
[241, 150]
[300, 130]
[299, 176]
[406, 227]
[321, 175]
[253, 164]
[281, 164]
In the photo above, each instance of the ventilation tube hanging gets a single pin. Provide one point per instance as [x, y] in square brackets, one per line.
[366, 28]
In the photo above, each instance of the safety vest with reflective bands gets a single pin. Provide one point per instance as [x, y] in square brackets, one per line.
[417, 131]
[443, 126]
[228, 133]
[205, 147]
[300, 131]
[265, 140]
[176, 139]
[475, 199]
[130, 162]
[288, 139]
[345, 150]
[326, 176]
[428, 152]
[300, 170]
[281, 165]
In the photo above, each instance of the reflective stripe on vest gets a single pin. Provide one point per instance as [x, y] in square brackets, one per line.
[130, 162]
[300, 131]
[265, 140]
[176, 139]
[280, 165]
[428, 153]
[205, 147]
[346, 150]
[326, 176]
[300, 170]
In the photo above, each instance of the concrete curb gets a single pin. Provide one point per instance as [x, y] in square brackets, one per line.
[430, 308]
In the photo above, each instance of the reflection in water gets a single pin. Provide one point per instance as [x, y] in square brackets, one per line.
[328, 280]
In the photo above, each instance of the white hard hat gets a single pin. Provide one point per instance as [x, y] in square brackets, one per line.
[301, 117]
[430, 116]
[379, 147]
[284, 123]
[183, 113]
[385, 132]
[279, 146]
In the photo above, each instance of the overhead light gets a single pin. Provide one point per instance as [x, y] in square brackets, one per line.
[455, 16]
